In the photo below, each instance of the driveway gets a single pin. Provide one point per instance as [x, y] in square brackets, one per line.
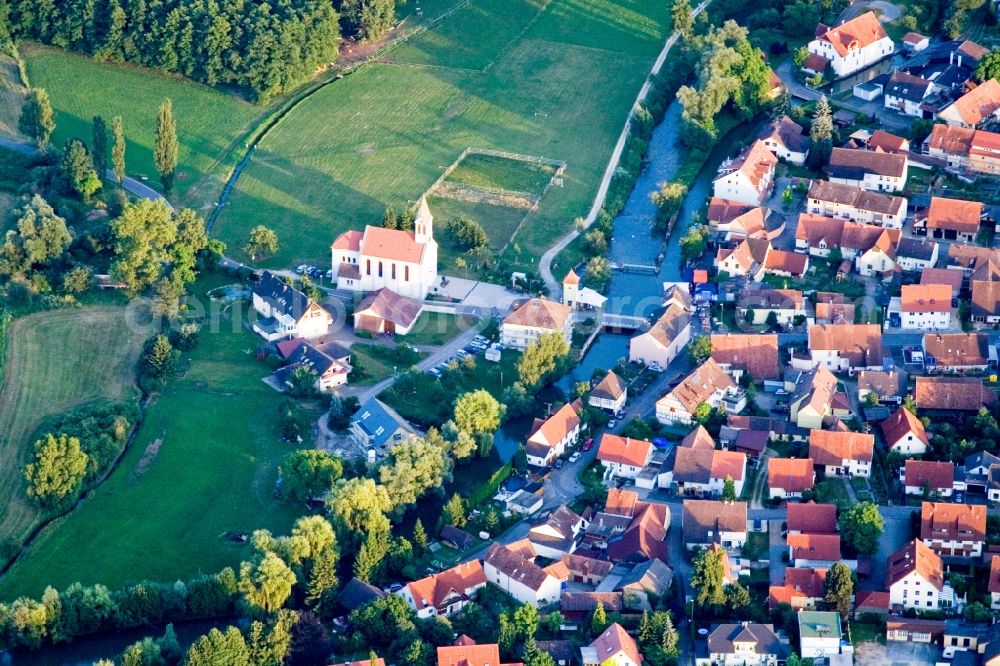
[896, 654]
[895, 534]
[776, 548]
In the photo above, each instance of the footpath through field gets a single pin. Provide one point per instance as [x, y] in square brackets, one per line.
[545, 265]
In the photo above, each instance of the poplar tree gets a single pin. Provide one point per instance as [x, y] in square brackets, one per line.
[165, 152]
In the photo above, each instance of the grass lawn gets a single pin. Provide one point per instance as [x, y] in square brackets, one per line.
[11, 95]
[499, 222]
[56, 361]
[383, 134]
[503, 173]
[865, 632]
[437, 328]
[378, 361]
[203, 464]
[212, 125]
[832, 491]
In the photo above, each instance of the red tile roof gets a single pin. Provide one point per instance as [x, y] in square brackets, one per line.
[952, 522]
[815, 547]
[799, 586]
[790, 474]
[925, 298]
[936, 475]
[900, 423]
[951, 140]
[957, 349]
[624, 450]
[699, 438]
[861, 344]
[947, 276]
[812, 518]
[755, 162]
[434, 589]
[915, 556]
[349, 240]
[613, 641]
[861, 31]
[701, 384]
[978, 103]
[391, 244]
[955, 393]
[994, 584]
[540, 313]
[954, 215]
[783, 261]
[828, 447]
[752, 353]
[469, 655]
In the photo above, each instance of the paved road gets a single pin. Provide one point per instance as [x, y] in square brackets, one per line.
[134, 186]
[545, 264]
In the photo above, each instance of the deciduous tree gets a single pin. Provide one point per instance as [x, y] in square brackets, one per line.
[838, 589]
[309, 473]
[478, 412]
[683, 17]
[217, 648]
[861, 527]
[542, 358]
[708, 577]
[57, 470]
[78, 170]
[265, 584]
[39, 237]
[700, 349]
[263, 241]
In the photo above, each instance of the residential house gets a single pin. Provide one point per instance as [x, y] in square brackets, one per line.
[953, 530]
[285, 311]
[925, 306]
[708, 384]
[802, 589]
[984, 153]
[905, 93]
[703, 472]
[614, 647]
[358, 593]
[831, 308]
[786, 304]
[753, 443]
[550, 437]
[952, 393]
[820, 635]
[789, 477]
[376, 425]
[446, 593]
[904, 433]
[815, 550]
[699, 438]
[705, 522]
[846, 347]
[587, 570]
[786, 264]
[916, 254]
[722, 212]
[563, 652]
[818, 235]
[403, 261]
[645, 536]
[950, 219]
[330, 371]
[742, 644]
[755, 354]
[977, 471]
[610, 394]
[557, 535]
[900, 629]
[812, 518]
[465, 652]
[623, 457]
[853, 45]
[985, 302]
[871, 602]
[664, 340]
[975, 108]
[915, 577]
[750, 224]
[878, 172]
[928, 478]
[842, 453]
[517, 575]
[385, 311]
[578, 605]
[874, 249]
[786, 139]
[812, 401]
[849, 202]
[951, 144]
[780, 430]
[956, 352]
[971, 258]
[749, 177]
[889, 386]
[651, 578]
[534, 318]
[994, 584]
[747, 259]
[948, 276]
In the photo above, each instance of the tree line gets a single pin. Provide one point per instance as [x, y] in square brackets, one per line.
[266, 48]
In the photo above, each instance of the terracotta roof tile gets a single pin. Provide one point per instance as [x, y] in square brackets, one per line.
[783, 261]
[698, 386]
[724, 211]
[790, 474]
[950, 139]
[957, 393]
[926, 298]
[954, 215]
[994, 584]
[755, 162]
[860, 343]
[703, 520]
[699, 438]
[815, 547]
[624, 450]
[832, 448]
[540, 313]
[616, 640]
[556, 427]
[915, 556]
[936, 475]
[887, 383]
[349, 240]
[852, 164]
[390, 306]
[516, 566]
[952, 522]
[434, 589]
[957, 349]
[985, 298]
[812, 518]
[702, 465]
[861, 31]
[391, 244]
[609, 388]
[978, 103]
[947, 276]
[888, 143]
[901, 423]
[752, 353]
[856, 197]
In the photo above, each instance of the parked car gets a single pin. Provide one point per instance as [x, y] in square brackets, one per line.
[559, 463]
[589, 444]
[576, 456]
[612, 423]
[329, 274]
[301, 268]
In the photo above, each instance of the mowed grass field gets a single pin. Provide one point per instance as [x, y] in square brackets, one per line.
[212, 125]
[203, 464]
[56, 361]
[560, 88]
[503, 173]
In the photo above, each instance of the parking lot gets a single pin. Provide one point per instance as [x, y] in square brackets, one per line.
[477, 346]
[896, 654]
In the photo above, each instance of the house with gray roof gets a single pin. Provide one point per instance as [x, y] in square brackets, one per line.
[285, 312]
[376, 425]
[742, 644]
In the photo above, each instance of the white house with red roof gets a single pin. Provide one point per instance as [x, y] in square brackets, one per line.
[444, 594]
[550, 436]
[623, 456]
[852, 45]
[749, 178]
[614, 647]
[376, 258]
